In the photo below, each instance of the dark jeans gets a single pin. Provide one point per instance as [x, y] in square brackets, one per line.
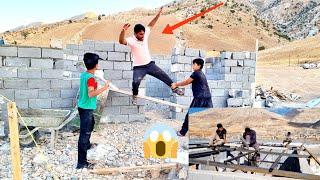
[139, 72]
[86, 127]
[196, 103]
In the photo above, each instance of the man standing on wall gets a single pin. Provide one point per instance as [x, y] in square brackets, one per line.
[142, 62]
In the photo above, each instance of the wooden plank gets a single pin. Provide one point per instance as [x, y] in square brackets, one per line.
[273, 165]
[108, 171]
[312, 155]
[246, 168]
[239, 156]
[14, 141]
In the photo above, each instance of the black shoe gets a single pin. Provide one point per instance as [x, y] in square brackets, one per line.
[86, 165]
[134, 100]
[178, 91]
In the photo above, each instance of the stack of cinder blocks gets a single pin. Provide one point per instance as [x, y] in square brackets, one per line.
[154, 87]
[117, 67]
[181, 68]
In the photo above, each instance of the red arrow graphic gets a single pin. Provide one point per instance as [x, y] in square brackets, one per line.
[169, 29]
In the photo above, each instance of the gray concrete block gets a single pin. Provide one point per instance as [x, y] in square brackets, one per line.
[78, 52]
[181, 59]
[230, 77]
[72, 46]
[230, 62]
[121, 48]
[117, 118]
[52, 73]
[202, 53]
[112, 110]
[106, 65]
[104, 46]
[102, 55]
[235, 102]
[29, 73]
[224, 84]
[1, 83]
[246, 70]
[226, 70]
[40, 103]
[8, 51]
[127, 74]
[60, 84]
[179, 116]
[123, 83]
[213, 84]
[75, 84]
[62, 103]
[178, 51]
[42, 63]
[177, 67]
[69, 93]
[234, 93]
[238, 55]
[116, 56]
[8, 93]
[236, 85]
[242, 77]
[73, 57]
[128, 56]
[137, 118]
[8, 72]
[22, 103]
[113, 74]
[182, 100]
[247, 102]
[88, 44]
[122, 66]
[129, 110]
[15, 83]
[219, 92]
[49, 94]
[226, 55]
[252, 71]
[246, 94]
[188, 68]
[249, 63]
[252, 78]
[253, 56]
[26, 93]
[67, 65]
[192, 52]
[246, 85]
[52, 53]
[236, 70]
[16, 62]
[141, 109]
[120, 101]
[240, 63]
[29, 52]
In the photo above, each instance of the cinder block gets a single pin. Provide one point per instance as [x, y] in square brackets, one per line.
[117, 118]
[202, 53]
[188, 68]
[15, 83]
[246, 70]
[8, 51]
[183, 100]
[252, 71]
[104, 46]
[78, 52]
[52, 73]
[102, 55]
[121, 48]
[73, 57]
[128, 56]
[129, 110]
[62, 103]
[113, 74]
[240, 63]
[49, 94]
[29, 73]
[179, 116]
[116, 56]
[246, 94]
[75, 84]
[230, 77]
[65, 65]
[253, 56]
[242, 77]
[16, 62]
[141, 109]
[8, 93]
[106, 65]
[236, 85]
[224, 84]
[249, 63]
[60, 84]
[127, 74]
[213, 84]
[178, 51]
[8, 72]
[235, 93]
[236, 70]
[39, 103]
[252, 78]
[177, 67]
[1, 83]
[52, 53]
[238, 55]
[235, 102]
[72, 46]
[22, 103]
[230, 63]
[120, 101]
[122, 66]
[88, 44]
[247, 102]
[42, 63]
[226, 55]
[192, 52]
[246, 85]
[181, 59]
[26, 93]
[69, 93]
[29, 52]
[112, 110]
[136, 118]
[219, 92]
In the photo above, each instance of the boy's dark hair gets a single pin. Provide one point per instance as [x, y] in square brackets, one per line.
[138, 28]
[219, 125]
[90, 60]
[289, 133]
[199, 62]
[247, 129]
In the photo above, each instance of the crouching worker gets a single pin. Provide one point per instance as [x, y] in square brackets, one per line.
[200, 90]
[219, 137]
[249, 138]
[87, 103]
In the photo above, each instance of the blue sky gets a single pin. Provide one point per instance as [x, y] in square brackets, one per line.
[21, 12]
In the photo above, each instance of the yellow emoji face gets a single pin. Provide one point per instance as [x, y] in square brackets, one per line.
[160, 142]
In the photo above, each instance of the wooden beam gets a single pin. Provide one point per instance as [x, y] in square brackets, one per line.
[14, 141]
[246, 168]
[239, 156]
[312, 155]
[273, 165]
[108, 171]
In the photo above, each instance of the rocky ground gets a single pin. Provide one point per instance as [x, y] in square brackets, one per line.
[119, 145]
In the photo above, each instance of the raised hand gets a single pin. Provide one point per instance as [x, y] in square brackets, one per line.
[126, 26]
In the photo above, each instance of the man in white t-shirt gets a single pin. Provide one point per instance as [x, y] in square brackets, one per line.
[142, 61]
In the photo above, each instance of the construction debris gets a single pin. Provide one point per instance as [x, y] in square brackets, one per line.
[310, 65]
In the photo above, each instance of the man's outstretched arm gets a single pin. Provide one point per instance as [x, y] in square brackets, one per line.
[155, 19]
[122, 40]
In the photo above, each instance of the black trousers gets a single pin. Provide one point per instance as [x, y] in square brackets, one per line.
[86, 127]
[139, 72]
[196, 103]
